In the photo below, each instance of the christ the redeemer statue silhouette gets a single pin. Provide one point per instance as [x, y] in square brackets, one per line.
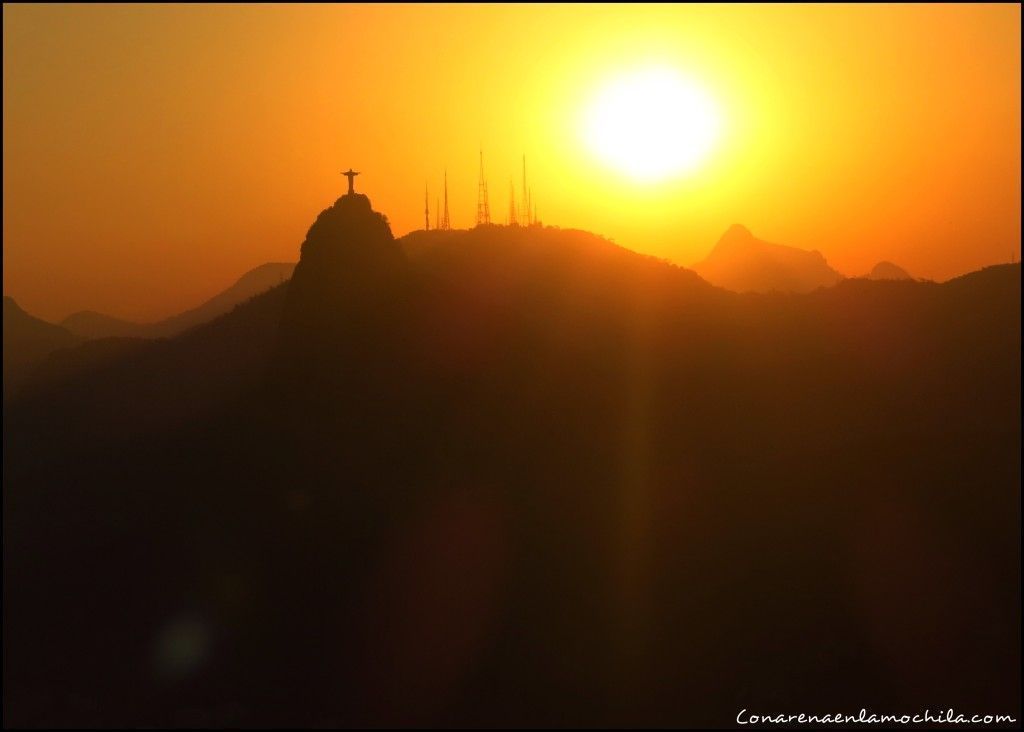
[351, 175]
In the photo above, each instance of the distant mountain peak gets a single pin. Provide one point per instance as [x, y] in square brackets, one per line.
[742, 262]
[888, 271]
[737, 232]
[735, 237]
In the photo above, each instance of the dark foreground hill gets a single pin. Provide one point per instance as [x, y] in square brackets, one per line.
[520, 476]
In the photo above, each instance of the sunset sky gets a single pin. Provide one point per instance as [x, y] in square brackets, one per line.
[154, 154]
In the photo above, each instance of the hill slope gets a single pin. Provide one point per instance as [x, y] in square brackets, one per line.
[27, 341]
[90, 324]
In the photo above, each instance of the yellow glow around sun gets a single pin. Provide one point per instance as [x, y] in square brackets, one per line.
[652, 124]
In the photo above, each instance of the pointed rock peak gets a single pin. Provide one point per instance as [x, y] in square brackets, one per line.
[737, 232]
[349, 225]
[353, 202]
[349, 254]
[742, 262]
[352, 281]
[737, 237]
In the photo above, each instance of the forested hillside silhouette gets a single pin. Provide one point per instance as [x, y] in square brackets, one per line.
[521, 476]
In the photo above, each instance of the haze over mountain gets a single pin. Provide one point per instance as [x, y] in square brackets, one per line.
[743, 263]
[520, 476]
[89, 324]
[888, 271]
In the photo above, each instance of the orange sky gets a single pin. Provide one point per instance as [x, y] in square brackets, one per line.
[153, 154]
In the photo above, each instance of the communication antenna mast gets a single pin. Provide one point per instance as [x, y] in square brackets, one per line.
[483, 207]
[445, 223]
[527, 220]
[513, 220]
[426, 207]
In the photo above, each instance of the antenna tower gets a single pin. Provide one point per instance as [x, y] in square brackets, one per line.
[445, 223]
[483, 207]
[513, 220]
[527, 219]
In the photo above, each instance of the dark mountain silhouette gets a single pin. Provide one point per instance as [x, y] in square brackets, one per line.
[520, 477]
[27, 341]
[90, 324]
[742, 263]
[888, 271]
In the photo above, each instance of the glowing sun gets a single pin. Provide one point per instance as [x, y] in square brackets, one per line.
[652, 124]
